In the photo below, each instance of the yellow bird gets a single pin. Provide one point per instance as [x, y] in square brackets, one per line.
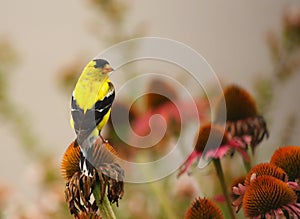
[91, 102]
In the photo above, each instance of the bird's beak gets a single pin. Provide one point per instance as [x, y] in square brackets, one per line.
[107, 69]
[110, 70]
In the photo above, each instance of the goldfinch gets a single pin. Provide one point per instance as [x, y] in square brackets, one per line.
[91, 103]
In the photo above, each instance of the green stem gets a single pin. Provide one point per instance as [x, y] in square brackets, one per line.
[160, 193]
[163, 199]
[104, 206]
[220, 175]
[247, 165]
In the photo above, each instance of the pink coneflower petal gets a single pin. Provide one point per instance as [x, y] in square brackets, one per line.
[239, 191]
[179, 112]
[211, 141]
[188, 162]
[240, 146]
[219, 153]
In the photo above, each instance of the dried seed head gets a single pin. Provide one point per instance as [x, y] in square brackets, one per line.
[266, 169]
[203, 208]
[105, 173]
[239, 105]
[85, 215]
[288, 158]
[267, 195]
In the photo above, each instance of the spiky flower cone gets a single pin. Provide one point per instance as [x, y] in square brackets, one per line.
[288, 158]
[266, 169]
[267, 196]
[202, 208]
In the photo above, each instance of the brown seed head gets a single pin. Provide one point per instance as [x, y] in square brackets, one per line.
[239, 104]
[210, 134]
[266, 169]
[159, 93]
[203, 208]
[266, 194]
[288, 158]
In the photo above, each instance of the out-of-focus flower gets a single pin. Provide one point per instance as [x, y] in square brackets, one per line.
[164, 115]
[203, 208]
[119, 122]
[69, 74]
[115, 10]
[242, 118]
[107, 175]
[5, 193]
[217, 142]
[170, 112]
[268, 197]
[288, 158]
[163, 99]
[159, 93]
[291, 25]
[186, 187]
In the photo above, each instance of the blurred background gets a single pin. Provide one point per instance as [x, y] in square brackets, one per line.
[45, 44]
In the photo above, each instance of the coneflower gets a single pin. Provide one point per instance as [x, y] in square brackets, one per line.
[288, 158]
[257, 171]
[212, 143]
[203, 208]
[89, 194]
[241, 116]
[266, 169]
[268, 197]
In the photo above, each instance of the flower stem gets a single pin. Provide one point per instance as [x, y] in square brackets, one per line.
[104, 206]
[163, 199]
[247, 165]
[220, 175]
[160, 193]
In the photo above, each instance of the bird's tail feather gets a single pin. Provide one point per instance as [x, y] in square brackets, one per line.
[95, 153]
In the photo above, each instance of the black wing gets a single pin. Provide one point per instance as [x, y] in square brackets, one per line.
[85, 123]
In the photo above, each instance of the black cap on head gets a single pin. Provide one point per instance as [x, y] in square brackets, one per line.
[100, 63]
